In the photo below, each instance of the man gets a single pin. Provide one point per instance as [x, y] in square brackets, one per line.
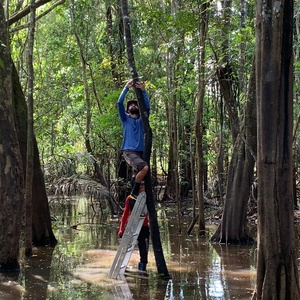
[133, 134]
[143, 238]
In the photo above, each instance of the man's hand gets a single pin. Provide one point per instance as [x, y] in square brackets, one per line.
[129, 83]
[140, 85]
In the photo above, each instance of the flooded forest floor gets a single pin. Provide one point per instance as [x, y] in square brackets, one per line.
[78, 267]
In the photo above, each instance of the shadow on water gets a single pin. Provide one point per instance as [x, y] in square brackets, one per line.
[77, 267]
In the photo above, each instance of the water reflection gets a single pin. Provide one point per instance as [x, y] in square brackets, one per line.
[77, 267]
[211, 271]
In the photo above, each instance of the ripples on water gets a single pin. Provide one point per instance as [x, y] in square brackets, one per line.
[77, 267]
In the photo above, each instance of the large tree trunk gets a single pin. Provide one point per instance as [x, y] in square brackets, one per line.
[233, 229]
[42, 233]
[277, 272]
[11, 169]
[155, 234]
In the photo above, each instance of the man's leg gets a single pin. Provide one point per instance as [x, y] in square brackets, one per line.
[138, 179]
[134, 159]
[133, 199]
[143, 244]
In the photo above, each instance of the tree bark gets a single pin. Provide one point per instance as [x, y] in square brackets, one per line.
[110, 37]
[42, 234]
[226, 81]
[277, 272]
[29, 158]
[11, 169]
[224, 72]
[172, 190]
[203, 27]
[155, 234]
[233, 226]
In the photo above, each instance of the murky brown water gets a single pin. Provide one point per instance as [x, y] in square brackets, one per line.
[77, 267]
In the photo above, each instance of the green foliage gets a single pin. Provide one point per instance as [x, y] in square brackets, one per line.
[166, 45]
[107, 124]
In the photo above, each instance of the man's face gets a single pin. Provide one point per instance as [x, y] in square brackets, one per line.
[133, 109]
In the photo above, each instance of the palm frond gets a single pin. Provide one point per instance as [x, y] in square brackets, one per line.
[80, 184]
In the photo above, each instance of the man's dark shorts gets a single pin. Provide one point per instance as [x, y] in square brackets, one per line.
[134, 159]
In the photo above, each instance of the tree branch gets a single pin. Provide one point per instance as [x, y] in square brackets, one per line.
[25, 11]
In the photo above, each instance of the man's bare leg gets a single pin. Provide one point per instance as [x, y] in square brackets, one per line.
[138, 179]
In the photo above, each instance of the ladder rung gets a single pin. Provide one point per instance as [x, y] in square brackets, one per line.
[129, 238]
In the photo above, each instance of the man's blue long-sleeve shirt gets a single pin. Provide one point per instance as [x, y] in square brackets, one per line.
[133, 130]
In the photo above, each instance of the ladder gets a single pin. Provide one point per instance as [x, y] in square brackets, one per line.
[129, 238]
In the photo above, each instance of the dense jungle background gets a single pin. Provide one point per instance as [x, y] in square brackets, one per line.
[80, 68]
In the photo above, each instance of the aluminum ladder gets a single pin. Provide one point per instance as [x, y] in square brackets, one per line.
[129, 238]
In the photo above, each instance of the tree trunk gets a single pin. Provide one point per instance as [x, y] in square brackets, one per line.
[224, 72]
[203, 26]
[170, 192]
[110, 37]
[11, 169]
[172, 189]
[243, 48]
[233, 229]
[155, 235]
[226, 82]
[42, 234]
[221, 154]
[29, 158]
[277, 272]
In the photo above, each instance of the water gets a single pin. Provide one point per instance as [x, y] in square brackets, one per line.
[77, 267]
